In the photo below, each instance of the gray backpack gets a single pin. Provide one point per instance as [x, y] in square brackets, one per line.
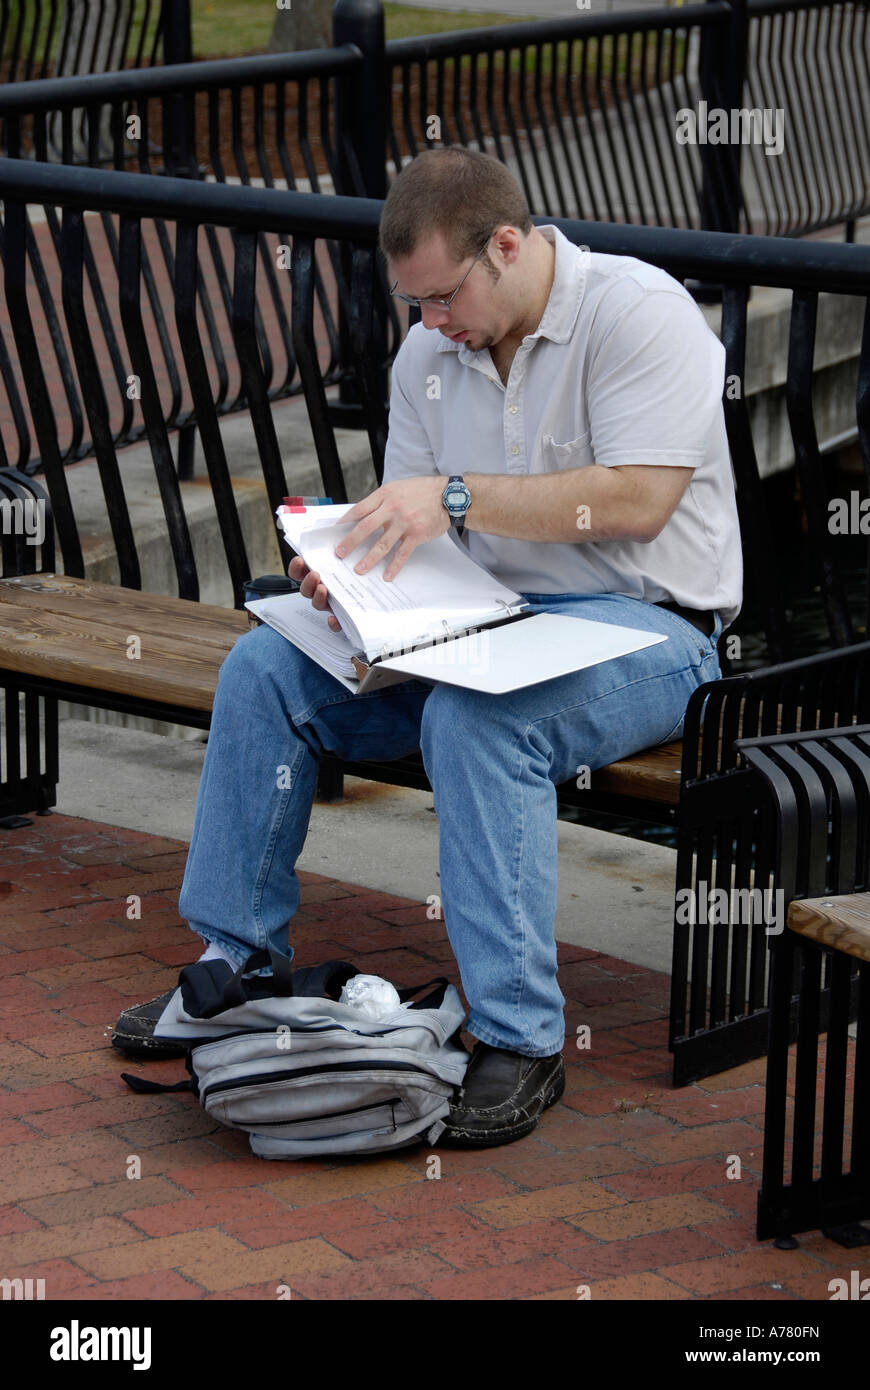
[279, 1056]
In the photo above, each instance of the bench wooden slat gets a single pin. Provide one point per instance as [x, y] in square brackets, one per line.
[841, 922]
[76, 631]
[653, 775]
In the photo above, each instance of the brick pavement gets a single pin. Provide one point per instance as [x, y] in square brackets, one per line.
[621, 1188]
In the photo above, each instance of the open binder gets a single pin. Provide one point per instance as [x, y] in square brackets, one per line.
[444, 617]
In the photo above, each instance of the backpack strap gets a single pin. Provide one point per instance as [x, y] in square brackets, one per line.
[433, 1000]
[323, 981]
[238, 989]
[140, 1083]
[210, 987]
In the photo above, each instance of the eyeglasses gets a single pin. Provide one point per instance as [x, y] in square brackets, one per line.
[440, 303]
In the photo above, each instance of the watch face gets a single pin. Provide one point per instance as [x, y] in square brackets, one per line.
[456, 498]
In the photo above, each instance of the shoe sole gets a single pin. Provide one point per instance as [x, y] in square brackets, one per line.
[465, 1139]
[146, 1048]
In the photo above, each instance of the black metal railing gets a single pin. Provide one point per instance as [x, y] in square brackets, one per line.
[43, 40]
[190, 212]
[612, 117]
[812, 61]
[256, 121]
[584, 110]
[310, 224]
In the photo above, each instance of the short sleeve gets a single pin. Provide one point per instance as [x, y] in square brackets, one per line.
[408, 452]
[654, 387]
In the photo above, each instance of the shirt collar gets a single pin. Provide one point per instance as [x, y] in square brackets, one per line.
[563, 305]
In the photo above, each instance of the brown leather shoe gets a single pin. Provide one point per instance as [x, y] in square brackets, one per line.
[502, 1096]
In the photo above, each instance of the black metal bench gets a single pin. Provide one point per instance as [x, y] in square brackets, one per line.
[724, 1020]
[813, 791]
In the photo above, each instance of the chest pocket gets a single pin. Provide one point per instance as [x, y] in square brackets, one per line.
[576, 453]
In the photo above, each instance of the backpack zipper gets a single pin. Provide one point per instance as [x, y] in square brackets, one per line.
[334, 1067]
[333, 1115]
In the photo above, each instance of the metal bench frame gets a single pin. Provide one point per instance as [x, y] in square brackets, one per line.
[814, 791]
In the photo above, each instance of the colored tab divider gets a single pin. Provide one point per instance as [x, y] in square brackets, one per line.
[300, 503]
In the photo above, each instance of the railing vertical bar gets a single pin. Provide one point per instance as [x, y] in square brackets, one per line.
[186, 276]
[132, 270]
[312, 381]
[93, 395]
[799, 404]
[244, 320]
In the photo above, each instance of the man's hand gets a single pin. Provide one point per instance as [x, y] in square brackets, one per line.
[311, 587]
[410, 511]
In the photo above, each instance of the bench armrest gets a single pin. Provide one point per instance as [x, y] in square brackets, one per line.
[816, 692]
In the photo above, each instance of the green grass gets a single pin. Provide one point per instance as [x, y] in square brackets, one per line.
[224, 30]
[228, 28]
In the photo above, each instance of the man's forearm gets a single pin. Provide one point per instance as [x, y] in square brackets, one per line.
[580, 504]
[584, 504]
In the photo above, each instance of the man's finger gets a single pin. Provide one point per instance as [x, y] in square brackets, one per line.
[381, 548]
[401, 557]
[366, 528]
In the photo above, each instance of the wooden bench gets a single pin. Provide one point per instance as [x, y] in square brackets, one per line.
[68, 638]
[841, 923]
[74, 636]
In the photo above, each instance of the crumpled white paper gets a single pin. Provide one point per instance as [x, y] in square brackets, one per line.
[373, 996]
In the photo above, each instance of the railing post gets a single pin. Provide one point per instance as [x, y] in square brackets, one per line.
[722, 77]
[361, 140]
[179, 139]
[361, 101]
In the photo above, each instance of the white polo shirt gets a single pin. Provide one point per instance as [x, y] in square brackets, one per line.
[622, 369]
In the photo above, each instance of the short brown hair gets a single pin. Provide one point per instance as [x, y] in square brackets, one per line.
[459, 192]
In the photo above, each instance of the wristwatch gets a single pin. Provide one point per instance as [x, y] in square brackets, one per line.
[457, 499]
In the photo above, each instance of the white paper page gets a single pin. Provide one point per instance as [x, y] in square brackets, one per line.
[308, 629]
[439, 588]
[523, 653]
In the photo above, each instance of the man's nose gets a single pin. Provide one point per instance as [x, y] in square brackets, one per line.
[433, 317]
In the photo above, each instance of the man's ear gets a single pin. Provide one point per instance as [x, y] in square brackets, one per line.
[506, 243]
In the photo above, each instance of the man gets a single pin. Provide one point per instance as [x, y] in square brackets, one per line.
[567, 407]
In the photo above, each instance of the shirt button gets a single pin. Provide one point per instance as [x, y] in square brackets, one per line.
[515, 449]
[513, 409]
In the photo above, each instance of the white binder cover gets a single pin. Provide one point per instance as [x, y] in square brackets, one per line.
[521, 653]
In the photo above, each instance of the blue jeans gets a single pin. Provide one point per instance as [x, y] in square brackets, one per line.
[493, 762]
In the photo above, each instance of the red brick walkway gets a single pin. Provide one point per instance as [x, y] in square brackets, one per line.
[622, 1187]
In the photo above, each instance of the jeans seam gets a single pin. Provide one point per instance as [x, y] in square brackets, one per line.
[269, 851]
[518, 860]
